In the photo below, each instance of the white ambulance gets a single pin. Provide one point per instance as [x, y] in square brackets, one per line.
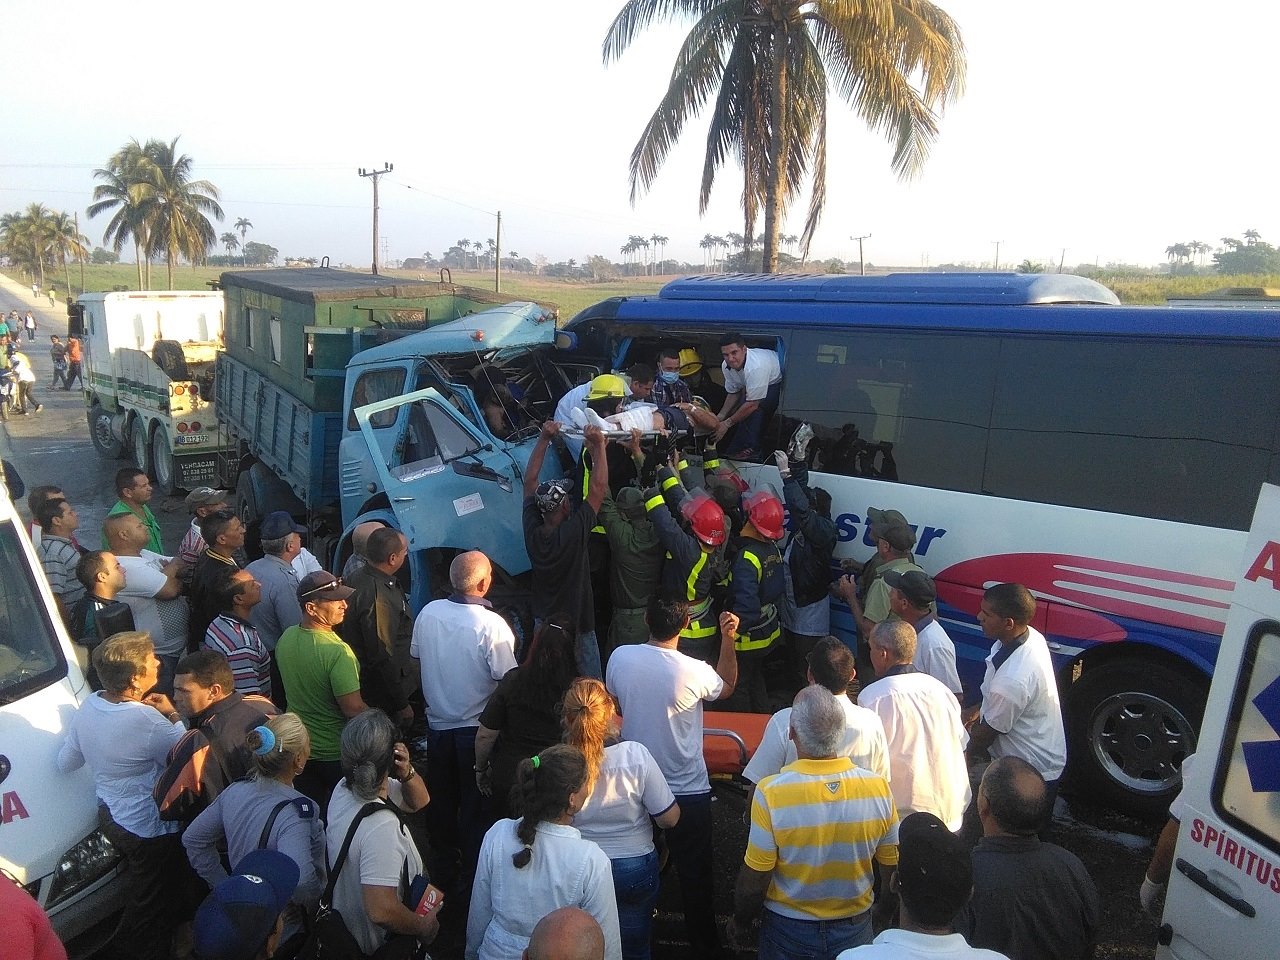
[1223, 900]
[49, 837]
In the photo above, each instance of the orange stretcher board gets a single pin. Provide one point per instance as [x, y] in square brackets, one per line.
[729, 740]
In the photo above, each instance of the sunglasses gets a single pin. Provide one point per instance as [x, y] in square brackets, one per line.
[336, 582]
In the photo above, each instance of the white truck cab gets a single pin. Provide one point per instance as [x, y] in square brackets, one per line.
[49, 837]
[1223, 900]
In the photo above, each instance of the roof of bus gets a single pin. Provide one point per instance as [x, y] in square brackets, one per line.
[1014, 303]
[971, 288]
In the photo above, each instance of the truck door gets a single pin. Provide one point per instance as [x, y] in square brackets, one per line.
[1224, 891]
[448, 486]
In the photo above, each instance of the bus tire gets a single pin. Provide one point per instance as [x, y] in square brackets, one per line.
[162, 462]
[140, 446]
[108, 445]
[1130, 724]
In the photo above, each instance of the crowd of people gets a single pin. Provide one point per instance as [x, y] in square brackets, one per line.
[251, 728]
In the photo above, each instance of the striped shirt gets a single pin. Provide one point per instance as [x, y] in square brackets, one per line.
[239, 642]
[816, 826]
[58, 558]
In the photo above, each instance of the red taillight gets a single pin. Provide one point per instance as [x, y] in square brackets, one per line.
[183, 428]
[195, 426]
[195, 389]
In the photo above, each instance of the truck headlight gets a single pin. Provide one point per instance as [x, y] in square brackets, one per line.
[81, 866]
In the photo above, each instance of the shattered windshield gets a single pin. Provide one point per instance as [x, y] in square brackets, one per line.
[30, 658]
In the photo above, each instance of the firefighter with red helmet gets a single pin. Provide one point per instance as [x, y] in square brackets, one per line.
[756, 589]
[690, 571]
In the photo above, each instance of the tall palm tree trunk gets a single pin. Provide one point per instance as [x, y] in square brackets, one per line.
[775, 188]
[137, 258]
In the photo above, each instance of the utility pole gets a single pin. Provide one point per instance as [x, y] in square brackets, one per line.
[497, 257]
[996, 268]
[1062, 259]
[375, 174]
[862, 264]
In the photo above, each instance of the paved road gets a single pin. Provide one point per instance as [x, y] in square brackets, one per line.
[53, 446]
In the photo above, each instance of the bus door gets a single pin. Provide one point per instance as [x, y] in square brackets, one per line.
[1223, 897]
[448, 485]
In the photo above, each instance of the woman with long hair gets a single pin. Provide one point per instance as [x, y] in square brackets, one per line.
[124, 733]
[265, 812]
[624, 789]
[540, 863]
[522, 716]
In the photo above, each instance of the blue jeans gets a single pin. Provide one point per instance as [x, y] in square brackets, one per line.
[785, 938]
[635, 884]
[692, 855]
[589, 655]
[745, 436]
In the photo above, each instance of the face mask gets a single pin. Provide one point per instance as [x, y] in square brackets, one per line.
[669, 376]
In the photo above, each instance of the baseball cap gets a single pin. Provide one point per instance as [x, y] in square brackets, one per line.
[237, 917]
[630, 501]
[917, 587]
[206, 496]
[322, 586]
[892, 527]
[278, 525]
[550, 494]
[935, 873]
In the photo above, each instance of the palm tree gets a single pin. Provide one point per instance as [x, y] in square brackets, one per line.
[1251, 237]
[231, 242]
[37, 230]
[707, 243]
[244, 225]
[477, 246]
[126, 188]
[897, 63]
[178, 208]
[67, 242]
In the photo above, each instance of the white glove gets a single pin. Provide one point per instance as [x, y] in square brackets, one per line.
[1151, 896]
[784, 466]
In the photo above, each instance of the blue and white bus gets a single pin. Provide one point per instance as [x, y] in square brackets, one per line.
[1031, 429]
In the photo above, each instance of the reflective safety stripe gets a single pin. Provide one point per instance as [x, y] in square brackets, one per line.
[653, 503]
[769, 629]
[682, 465]
[586, 482]
[698, 628]
[710, 464]
[691, 582]
[670, 482]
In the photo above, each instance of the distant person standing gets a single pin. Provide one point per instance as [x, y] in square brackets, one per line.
[58, 354]
[35, 288]
[29, 322]
[73, 362]
[50, 291]
[201, 501]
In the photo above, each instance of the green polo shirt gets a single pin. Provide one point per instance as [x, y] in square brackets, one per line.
[149, 518]
[317, 667]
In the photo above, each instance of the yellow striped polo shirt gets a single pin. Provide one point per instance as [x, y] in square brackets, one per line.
[816, 826]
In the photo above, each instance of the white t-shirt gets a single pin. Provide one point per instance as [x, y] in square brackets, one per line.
[382, 854]
[660, 693]
[1020, 702]
[926, 737]
[936, 655]
[629, 789]
[144, 578]
[575, 399]
[906, 945]
[760, 371]
[463, 650]
[305, 562]
[508, 901]
[864, 743]
[126, 745]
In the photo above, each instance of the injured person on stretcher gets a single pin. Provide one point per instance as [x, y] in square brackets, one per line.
[692, 418]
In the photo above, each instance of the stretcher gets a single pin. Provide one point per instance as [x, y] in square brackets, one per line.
[729, 740]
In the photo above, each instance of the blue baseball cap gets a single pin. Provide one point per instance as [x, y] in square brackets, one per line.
[278, 525]
[237, 917]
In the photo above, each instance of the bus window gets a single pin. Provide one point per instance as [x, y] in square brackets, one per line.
[922, 400]
[1123, 426]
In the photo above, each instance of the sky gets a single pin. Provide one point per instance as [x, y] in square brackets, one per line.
[1108, 129]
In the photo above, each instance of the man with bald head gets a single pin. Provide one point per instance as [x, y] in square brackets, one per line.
[569, 933]
[1031, 900]
[463, 649]
[152, 589]
[359, 544]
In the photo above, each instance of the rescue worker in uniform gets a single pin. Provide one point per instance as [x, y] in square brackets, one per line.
[757, 588]
[690, 568]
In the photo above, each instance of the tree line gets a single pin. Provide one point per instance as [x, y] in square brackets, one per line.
[1248, 254]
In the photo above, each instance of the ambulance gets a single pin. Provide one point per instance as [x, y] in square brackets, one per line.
[1223, 899]
[50, 843]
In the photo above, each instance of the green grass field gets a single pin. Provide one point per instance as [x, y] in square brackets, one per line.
[573, 295]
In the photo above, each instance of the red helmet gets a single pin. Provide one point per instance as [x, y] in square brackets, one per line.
[733, 477]
[706, 519]
[764, 510]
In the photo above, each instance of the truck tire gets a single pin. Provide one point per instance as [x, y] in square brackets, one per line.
[162, 462]
[104, 441]
[168, 356]
[1130, 724]
[247, 511]
[140, 446]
